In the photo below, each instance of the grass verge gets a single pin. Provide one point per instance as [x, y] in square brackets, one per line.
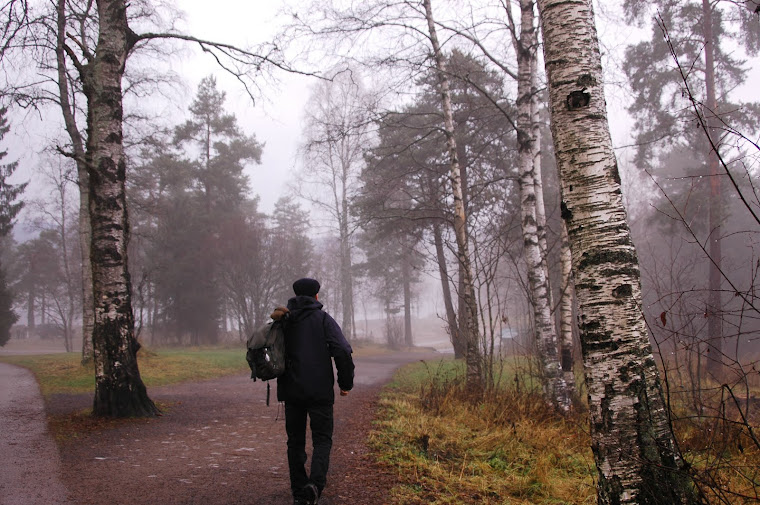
[506, 449]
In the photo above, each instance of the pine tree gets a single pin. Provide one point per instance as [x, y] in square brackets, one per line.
[703, 36]
[7, 316]
[9, 209]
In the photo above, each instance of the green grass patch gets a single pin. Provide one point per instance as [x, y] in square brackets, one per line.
[64, 374]
[506, 449]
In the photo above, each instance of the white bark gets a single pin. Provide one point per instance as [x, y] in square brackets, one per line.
[531, 205]
[633, 445]
[467, 297]
[119, 390]
[567, 295]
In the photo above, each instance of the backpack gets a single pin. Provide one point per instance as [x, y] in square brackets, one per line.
[266, 351]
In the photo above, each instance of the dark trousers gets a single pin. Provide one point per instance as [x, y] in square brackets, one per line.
[321, 422]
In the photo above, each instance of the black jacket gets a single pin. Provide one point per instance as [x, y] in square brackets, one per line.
[312, 338]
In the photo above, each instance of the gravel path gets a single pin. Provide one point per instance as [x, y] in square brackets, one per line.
[217, 443]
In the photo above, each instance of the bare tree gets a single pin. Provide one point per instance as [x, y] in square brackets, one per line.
[337, 132]
[69, 112]
[710, 36]
[53, 216]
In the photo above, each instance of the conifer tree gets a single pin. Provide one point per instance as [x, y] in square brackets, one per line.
[9, 209]
[703, 36]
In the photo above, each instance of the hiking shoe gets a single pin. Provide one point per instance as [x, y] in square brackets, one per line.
[311, 493]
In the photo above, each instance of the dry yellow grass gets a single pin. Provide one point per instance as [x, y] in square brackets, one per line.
[508, 449]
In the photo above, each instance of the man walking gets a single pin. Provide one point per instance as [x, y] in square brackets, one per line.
[312, 341]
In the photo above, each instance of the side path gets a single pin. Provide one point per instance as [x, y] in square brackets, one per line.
[217, 443]
[30, 462]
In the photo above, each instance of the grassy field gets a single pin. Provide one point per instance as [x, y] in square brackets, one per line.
[63, 373]
[508, 448]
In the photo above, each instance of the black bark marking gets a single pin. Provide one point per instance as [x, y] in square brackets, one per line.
[120, 392]
[606, 415]
[624, 373]
[566, 213]
[597, 258]
[663, 480]
[616, 173]
[589, 286]
[615, 272]
[586, 80]
[578, 99]
[622, 291]
[566, 360]
[113, 138]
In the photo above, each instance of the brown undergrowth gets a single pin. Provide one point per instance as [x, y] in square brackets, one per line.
[506, 448]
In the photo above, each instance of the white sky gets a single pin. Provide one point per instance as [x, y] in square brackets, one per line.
[276, 120]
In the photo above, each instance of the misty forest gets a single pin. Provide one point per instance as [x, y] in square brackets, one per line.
[565, 214]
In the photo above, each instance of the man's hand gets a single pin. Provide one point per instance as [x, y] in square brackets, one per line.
[343, 393]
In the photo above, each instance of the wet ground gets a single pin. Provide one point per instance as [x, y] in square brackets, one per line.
[217, 443]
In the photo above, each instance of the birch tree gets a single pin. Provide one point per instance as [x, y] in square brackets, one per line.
[119, 390]
[467, 297]
[634, 448]
[99, 63]
[524, 38]
[567, 297]
[556, 388]
[78, 154]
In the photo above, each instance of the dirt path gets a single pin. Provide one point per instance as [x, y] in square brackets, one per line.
[26, 478]
[218, 443]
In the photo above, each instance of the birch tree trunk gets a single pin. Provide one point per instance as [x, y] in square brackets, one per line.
[555, 388]
[634, 448]
[80, 157]
[474, 375]
[85, 238]
[535, 129]
[119, 390]
[566, 308]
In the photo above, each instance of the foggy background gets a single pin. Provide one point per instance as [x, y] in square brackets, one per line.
[277, 122]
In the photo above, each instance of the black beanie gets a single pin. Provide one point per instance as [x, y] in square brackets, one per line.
[306, 287]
